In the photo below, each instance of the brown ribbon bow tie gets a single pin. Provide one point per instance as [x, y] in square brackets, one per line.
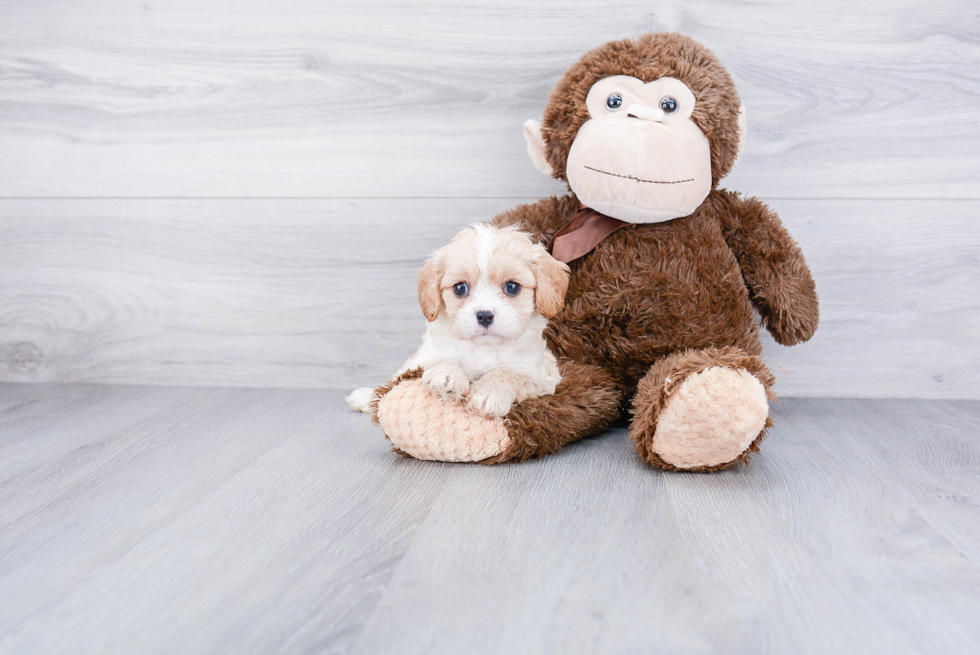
[582, 234]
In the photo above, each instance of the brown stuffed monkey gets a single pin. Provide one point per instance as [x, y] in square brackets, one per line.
[666, 269]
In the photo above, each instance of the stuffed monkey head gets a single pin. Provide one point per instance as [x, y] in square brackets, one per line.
[641, 130]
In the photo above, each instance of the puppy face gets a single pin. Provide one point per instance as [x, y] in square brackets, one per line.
[490, 281]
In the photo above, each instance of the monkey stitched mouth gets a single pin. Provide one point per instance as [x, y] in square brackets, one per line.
[630, 177]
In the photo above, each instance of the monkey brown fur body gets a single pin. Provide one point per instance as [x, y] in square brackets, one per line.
[663, 312]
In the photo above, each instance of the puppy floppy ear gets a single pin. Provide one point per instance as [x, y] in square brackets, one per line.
[430, 279]
[551, 276]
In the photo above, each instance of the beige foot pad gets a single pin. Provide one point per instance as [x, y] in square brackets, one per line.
[426, 427]
[711, 419]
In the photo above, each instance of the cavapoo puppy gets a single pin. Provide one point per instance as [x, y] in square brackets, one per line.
[487, 296]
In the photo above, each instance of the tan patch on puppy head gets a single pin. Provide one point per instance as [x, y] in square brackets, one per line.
[486, 259]
[519, 259]
[459, 256]
[512, 260]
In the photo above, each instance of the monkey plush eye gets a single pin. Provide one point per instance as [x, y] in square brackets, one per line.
[512, 288]
[669, 105]
[461, 289]
[614, 102]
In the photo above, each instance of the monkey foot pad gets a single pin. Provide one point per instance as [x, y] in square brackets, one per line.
[426, 427]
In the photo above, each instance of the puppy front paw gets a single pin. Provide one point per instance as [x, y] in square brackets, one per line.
[490, 399]
[446, 380]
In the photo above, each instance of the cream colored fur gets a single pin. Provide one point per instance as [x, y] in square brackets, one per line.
[536, 146]
[488, 367]
[711, 418]
[360, 399]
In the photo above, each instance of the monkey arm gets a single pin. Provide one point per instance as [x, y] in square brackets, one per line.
[773, 267]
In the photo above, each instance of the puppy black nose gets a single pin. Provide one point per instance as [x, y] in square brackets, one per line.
[484, 318]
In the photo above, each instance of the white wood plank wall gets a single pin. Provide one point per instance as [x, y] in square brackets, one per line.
[240, 193]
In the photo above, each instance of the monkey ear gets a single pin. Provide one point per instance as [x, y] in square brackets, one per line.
[536, 147]
[430, 295]
[743, 133]
[551, 277]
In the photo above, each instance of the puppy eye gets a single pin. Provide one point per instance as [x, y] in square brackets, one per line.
[461, 289]
[512, 288]
[614, 102]
[669, 105]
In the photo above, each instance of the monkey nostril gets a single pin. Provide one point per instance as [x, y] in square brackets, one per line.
[484, 318]
[645, 113]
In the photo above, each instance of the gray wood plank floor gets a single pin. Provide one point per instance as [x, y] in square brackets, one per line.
[192, 520]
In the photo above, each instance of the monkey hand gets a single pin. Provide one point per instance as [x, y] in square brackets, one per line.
[793, 310]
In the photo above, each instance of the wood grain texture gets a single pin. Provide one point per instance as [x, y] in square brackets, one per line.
[280, 496]
[161, 520]
[321, 293]
[303, 98]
